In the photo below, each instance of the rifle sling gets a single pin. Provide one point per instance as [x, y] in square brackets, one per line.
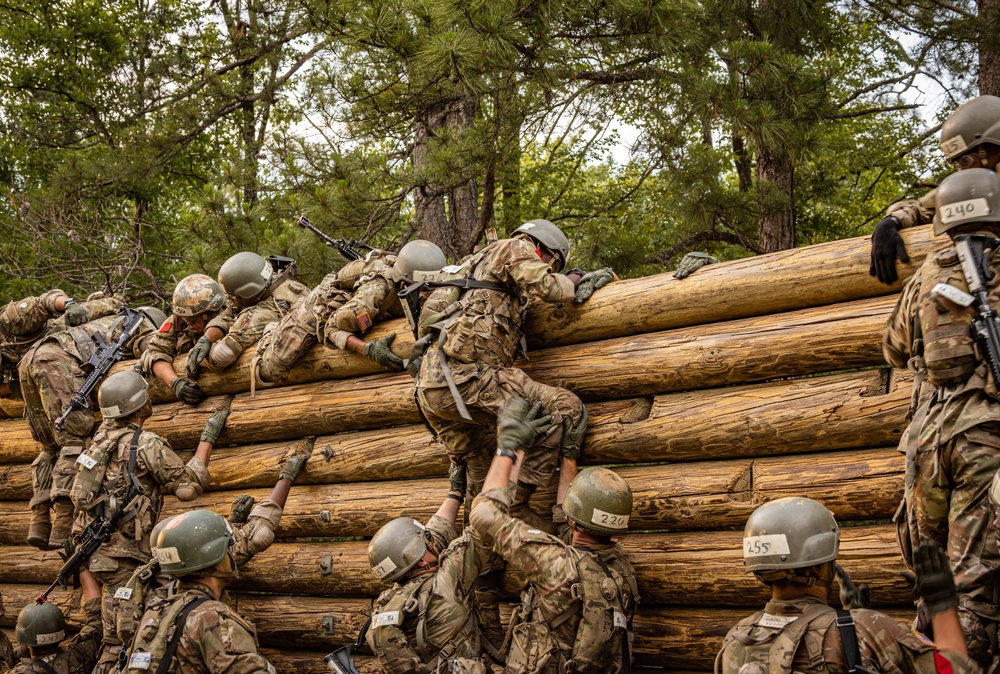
[49, 669]
[168, 654]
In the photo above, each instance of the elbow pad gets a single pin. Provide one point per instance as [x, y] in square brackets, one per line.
[222, 355]
[481, 520]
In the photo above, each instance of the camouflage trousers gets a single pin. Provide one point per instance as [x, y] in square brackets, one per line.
[485, 392]
[110, 581]
[946, 500]
[49, 378]
[306, 324]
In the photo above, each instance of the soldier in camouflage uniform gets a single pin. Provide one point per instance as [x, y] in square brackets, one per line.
[195, 548]
[467, 373]
[6, 650]
[952, 443]
[428, 618]
[51, 373]
[42, 629]
[579, 600]
[200, 316]
[261, 294]
[347, 303]
[791, 545]
[106, 470]
[970, 138]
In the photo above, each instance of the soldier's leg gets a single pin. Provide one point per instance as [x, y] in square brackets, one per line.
[39, 528]
[469, 444]
[115, 573]
[287, 341]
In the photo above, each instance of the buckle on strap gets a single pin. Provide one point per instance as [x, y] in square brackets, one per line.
[845, 620]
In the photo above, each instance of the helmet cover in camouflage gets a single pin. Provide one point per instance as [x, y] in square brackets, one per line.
[121, 394]
[40, 625]
[191, 541]
[790, 533]
[157, 317]
[965, 198]
[599, 500]
[550, 236]
[245, 275]
[419, 255]
[197, 294]
[971, 124]
[396, 548]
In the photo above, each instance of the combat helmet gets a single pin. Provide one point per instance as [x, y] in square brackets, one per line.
[121, 394]
[396, 548]
[972, 124]
[40, 624]
[550, 236]
[965, 198]
[191, 541]
[155, 316]
[419, 255]
[789, 533]
[599, 500]
[197, 294]
[245, 275]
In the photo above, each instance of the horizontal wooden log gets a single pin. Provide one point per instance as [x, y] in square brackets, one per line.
[698, 568]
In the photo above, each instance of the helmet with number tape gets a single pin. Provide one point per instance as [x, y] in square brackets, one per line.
[419, 255]
[40, 625]
[396, 548]
[191, 541]
[966, 198]
[121, 394]
[547, 234]
[599, 500]
[790, 533]
[972, 124]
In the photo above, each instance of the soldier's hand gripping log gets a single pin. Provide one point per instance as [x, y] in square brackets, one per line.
[986, 323]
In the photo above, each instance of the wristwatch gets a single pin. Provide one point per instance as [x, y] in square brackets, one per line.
[503, 451]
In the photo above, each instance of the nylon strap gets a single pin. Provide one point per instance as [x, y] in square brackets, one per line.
[49, 669]
[168, 654]
[626, 651]
[849, 639]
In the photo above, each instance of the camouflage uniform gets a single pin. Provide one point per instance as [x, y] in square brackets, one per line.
[440, 624]
[801, 635]
[554, 575]
[347, 301]
[914, 212]
[214, 638]
[952, 443]
[76, 655]
[160, 471]
[22, 323]
[6, 650]
[482, 337]
[175, 337]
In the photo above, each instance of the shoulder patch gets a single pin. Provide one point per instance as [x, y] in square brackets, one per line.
[167, 326]
[922, 638]
[241, 620]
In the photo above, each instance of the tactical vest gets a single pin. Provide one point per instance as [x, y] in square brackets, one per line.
[159, 633]
[129, 601]
[767, 644]
[603, 641]
[398, 631]
[949, 349]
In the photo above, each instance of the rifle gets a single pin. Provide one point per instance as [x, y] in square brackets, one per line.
[101, 361]
[986, 323]
[340, 661]
[349, 249]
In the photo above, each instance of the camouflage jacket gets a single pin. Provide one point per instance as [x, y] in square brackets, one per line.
[442, 617]
[214, 640]
[374, 299]
[24, 322]
[248, 326]
[159, 470]
[79, 341]
[486, 327]
[914, 212]
[549, 568]
[77, 655]
[926, 330]
[175, 337]
[886, 647]
[6, 649]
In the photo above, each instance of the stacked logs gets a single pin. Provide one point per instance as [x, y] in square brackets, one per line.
[710, 395]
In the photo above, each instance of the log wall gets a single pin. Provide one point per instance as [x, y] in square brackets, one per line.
[750, 380]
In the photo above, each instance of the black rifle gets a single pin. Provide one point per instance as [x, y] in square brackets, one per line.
[986, 323]
[340, 661]
[102, 360]
[349, 249]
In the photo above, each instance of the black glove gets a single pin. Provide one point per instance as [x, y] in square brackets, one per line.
[240, 512]
[852, 596]
[935, 582]
[456, 473]
[572, 439]
[381, 352]
[214, 425]
[187, 391]
[517, 426]
[592, 281]
[74, 313]
[887, 247]
[196, 355]
[292, 467]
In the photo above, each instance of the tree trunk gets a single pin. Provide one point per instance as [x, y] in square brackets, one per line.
[989, 47]
[775, 183]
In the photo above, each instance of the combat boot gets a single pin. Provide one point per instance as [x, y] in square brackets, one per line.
[62, 525]
[39, 527]
[487, 610]
[524, 512]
